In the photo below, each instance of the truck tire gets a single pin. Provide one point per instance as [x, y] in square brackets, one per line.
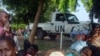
[40, 34]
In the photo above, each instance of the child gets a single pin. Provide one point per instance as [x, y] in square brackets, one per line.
[54, 52]
[29, 50]
[32, 50]
[4, 17]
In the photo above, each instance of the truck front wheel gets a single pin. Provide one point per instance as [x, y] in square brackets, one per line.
[40, 34]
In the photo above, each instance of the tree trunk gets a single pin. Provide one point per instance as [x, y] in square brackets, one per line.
[32, 35]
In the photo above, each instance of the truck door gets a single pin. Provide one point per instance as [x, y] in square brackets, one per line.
[72, 21]
[64, 22]
[59, 24]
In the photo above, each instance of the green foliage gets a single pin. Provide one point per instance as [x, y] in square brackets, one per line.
[46, 11]
[55, 3]
[24, 10]
[72, 5]
[21, 26]
[14, 26]
[63, 5]
[87, 4]
[17, 26]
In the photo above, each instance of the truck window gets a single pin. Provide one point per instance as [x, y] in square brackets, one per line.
[60, 17]
[71, 18]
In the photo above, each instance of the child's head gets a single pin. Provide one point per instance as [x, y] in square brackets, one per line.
[7, 46]
[54, 52]
[86, 51]
[32, 50]
[4, 17]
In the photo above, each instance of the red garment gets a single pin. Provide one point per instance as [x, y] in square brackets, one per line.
[81, 36]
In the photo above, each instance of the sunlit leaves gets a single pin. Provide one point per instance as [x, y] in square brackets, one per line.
[87, 4]
[63, 5]
[26, 9]
[72, 4]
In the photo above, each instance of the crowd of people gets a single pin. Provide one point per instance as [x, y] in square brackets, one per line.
[8, 44]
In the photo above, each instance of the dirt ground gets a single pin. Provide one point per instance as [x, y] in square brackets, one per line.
[46, 44]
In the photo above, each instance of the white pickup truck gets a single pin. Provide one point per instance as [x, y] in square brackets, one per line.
[60, 22]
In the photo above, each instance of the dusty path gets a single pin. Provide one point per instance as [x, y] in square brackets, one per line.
[44, 45]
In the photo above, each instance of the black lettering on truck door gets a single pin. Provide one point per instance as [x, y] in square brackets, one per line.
[56, 28]
[60, 28]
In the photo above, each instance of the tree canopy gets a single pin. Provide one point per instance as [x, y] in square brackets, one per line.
[25, 10]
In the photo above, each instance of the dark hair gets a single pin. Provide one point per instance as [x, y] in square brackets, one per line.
[93, 32]
[26, 44]
[84, 49]
[9, 39]
[35, 47]
[95, 26]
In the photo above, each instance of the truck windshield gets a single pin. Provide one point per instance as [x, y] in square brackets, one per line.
[71, 18]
